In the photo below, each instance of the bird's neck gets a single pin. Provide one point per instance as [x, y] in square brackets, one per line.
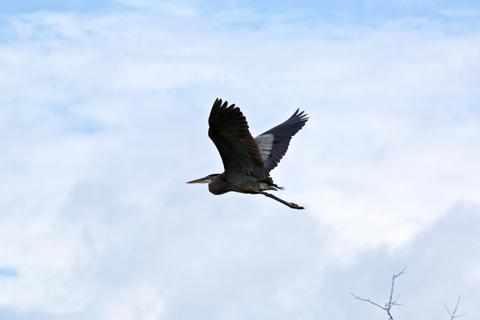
[218, 184]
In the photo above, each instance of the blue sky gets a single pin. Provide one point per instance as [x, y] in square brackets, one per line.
[341, 10]
[8, 272]
[104, 111]
[28, 6]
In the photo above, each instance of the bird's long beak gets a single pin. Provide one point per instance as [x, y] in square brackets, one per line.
[206, 179]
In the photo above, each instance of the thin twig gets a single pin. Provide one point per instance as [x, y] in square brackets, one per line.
[391, 301]
[368, 300]
[453, 314]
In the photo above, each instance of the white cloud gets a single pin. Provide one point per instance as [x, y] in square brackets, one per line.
[139, 303]
[105, 119]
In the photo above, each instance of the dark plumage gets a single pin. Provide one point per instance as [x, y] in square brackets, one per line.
[248, 161]
[282, 134]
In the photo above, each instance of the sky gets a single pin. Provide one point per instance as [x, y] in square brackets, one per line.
[103, 119]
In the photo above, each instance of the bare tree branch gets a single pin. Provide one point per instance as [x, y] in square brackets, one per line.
[453, 314]
[367, 300]
[391, 301]
[394, 301]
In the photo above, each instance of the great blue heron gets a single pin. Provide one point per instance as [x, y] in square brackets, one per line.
[247, 161]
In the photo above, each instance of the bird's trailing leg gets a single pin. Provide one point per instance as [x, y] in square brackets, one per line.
[289, 204]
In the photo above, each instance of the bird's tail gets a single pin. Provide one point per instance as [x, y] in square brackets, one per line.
[270, 185]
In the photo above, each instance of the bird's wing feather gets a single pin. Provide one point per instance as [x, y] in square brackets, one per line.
[273, 144]
[229, 131]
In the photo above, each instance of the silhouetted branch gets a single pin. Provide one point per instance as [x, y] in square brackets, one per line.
[453, 314]
[391, 301]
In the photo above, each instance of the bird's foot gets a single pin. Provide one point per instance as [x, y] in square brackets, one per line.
[295, 206]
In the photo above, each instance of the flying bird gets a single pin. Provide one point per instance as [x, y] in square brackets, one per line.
[248, 161]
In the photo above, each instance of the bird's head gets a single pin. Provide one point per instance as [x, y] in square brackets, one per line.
[206, 179]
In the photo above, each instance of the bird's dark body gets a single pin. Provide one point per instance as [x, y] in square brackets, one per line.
[248, 161]
[240, 183]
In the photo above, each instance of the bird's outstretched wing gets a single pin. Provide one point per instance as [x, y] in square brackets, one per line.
[229, 131]
[273, 144]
